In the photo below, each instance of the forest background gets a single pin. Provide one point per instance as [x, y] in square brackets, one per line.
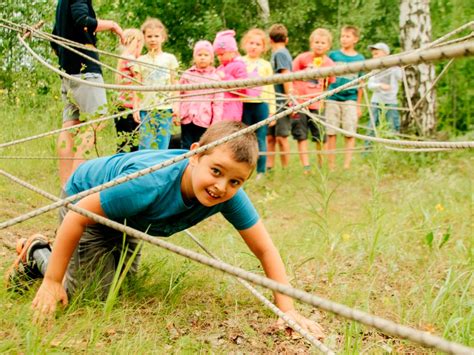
[189, 21]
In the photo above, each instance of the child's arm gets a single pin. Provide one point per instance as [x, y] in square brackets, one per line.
[287, 86]
[359, 100]
[51, 290]
[260, 243]
[175, 95]
[108, 25]
[217, 107]
[136, 99]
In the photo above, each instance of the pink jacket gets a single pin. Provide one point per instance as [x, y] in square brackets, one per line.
[205, 109]
[234, 70]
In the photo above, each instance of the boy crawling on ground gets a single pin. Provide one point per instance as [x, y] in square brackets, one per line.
[161, 203]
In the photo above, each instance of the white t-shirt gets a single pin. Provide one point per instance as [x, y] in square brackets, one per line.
[166, 65]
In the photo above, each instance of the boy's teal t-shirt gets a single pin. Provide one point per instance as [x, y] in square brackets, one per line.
[340, 58]
[153, 203]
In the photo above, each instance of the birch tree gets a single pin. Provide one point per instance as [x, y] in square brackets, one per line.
[415, 32]
[265, 6]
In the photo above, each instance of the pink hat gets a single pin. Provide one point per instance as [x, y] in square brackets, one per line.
[203, 45]
[225, 40]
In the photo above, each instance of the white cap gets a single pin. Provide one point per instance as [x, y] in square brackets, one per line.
[382, 46]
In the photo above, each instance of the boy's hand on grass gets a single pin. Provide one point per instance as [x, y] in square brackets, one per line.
[310, 326]
[46, 299]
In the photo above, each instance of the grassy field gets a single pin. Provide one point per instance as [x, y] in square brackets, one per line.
[393, 237]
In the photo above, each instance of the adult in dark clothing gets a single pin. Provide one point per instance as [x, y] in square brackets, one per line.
[76, 21]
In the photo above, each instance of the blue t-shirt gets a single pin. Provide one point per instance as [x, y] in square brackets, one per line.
[153, 203]
[340, 58]
[280, 60]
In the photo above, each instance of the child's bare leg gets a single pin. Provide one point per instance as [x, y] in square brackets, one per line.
[284, 145]
[350, 144]
[65, 151]
[271, 150]
[331, 144]
[303, 147]
[86, 141]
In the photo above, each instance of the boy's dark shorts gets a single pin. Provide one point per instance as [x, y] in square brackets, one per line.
[282, 127]
[301, 124]
[96, 258]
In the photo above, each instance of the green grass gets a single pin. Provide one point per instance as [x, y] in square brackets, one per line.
[393, 237]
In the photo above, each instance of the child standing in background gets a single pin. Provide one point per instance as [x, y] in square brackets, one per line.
[341, 108]
[254, 43]
[199, 112]
[155, 130]
[279, 131]
[232, 68]
[385, 88]
[125, 125]
[320, 42]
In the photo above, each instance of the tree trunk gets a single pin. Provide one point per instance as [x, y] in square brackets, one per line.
[265, 6]
[415, 32]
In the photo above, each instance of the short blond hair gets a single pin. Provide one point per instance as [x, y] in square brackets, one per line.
[349, 28]
[321, 32]
[244, 148]
[255, 32]
[151, 22]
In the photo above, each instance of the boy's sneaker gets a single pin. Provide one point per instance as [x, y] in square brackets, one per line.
[24, 269]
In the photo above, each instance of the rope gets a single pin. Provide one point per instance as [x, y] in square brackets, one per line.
[62, 43]
[295, 326]
[428, 55]
[391, 56]
[14, 157]
[384, 325]
[174, 160]
[79, 125]
[422, 144]
[322, 118]
[445, 69]
[423, 335]
[41, 210]
[90, 122]
[321, 152]
[45, 35]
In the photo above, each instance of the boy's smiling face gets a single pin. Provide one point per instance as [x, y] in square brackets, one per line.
[214, 178]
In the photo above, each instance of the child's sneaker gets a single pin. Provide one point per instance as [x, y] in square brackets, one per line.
[24, 269]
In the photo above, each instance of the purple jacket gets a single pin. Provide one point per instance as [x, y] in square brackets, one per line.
[205, 109]
[236, 69]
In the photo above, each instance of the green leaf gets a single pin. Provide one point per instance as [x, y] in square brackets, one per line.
[429, 239]
[445, 238]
